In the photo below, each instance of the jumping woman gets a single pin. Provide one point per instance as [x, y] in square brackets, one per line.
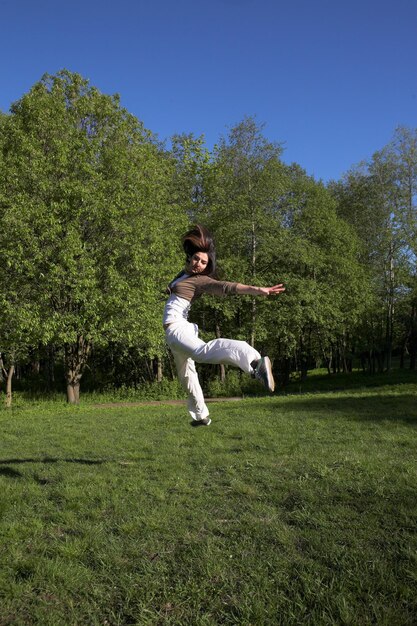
[197, 279]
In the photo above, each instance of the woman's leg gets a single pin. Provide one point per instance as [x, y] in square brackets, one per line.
[188, 378]
[184, 336]
[186, 347]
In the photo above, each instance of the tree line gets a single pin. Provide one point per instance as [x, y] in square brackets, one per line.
[92, 209]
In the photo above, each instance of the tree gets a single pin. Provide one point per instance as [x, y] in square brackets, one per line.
[325, 284]
[191, 158]
[378, 199]
[20, 316]
[402, 153]
[87, 189]
[241, 189]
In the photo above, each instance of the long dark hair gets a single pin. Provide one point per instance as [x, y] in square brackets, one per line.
[199, 239]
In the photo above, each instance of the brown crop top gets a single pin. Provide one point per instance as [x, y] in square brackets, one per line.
[196, 285]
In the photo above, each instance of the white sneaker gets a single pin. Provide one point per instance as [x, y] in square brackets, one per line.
[263, 372]
[204, 421]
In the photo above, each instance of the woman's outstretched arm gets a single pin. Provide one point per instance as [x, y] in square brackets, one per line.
[259, 291]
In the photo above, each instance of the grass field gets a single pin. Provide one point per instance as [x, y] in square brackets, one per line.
[286, 510]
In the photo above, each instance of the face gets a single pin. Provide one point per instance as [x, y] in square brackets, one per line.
[197, 263]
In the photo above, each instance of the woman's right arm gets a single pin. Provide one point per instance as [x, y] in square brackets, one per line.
[250, 290]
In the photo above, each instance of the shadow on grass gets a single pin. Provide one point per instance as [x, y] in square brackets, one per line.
[372, 407]
[9, 472]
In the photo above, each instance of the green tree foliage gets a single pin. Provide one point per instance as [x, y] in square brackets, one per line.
[379, 199]
[325, 284]
[91, 212]
[191, 158]
[85, 207]
[241, 188]
[275, 224]
[19, 312]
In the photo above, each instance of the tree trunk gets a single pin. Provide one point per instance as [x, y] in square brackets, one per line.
[253, 263]
[149, 367]
[73, 393]
[172, 368]
[390, 310]
[402, 357]
[327, 359]
[334, 359]
[159, 374]
[412, 349]
[51, 367]
[9, 387]
[35, 366]
[76, 356]
[303, 360]
[286, 372]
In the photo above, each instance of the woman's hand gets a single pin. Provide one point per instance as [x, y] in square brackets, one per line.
[271, 291]
[259, 291]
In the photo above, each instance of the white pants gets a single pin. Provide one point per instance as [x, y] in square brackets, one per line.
[186, 347]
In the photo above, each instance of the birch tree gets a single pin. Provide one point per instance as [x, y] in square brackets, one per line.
[242, 189]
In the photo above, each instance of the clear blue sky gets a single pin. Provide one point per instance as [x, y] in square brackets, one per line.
[331, 79]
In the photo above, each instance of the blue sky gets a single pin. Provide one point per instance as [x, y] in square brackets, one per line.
[330, 79]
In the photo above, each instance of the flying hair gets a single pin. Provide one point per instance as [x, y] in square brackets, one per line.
[199, 239]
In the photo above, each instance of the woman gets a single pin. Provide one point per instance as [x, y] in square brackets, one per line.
[182, 336]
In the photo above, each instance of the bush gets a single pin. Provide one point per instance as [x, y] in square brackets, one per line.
[236, 384]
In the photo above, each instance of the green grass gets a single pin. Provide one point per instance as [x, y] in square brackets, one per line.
[287, 510]
[320, 380]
